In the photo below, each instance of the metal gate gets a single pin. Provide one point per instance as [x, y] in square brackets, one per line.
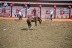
[62, 12]
[16, 9]
[46, 12]
[5, 11]
[29, 11]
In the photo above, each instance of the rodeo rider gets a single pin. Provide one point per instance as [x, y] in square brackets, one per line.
[34, 11]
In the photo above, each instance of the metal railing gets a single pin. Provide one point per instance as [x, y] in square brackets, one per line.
[37, 3]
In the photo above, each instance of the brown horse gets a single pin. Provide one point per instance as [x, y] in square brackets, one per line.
[35, 19]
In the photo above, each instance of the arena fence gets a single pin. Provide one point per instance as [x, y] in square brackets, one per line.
[43, 12]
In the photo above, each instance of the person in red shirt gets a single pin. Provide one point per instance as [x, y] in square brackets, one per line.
[34, 11]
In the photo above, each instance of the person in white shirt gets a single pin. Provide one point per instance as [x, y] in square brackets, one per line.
[51, 14]
[20, 15]
[5, 4]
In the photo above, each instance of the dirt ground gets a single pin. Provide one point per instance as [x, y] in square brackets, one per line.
[15, 34]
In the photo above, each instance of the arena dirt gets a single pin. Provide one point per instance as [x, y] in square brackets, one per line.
[15, 34]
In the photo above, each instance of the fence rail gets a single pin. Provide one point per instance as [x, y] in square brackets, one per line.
[37, 3]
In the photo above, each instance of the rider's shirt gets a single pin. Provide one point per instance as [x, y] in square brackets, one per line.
[34, 12]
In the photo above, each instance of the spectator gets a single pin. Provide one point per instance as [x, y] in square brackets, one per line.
[51, 14]
[20, 15]
[5, 4]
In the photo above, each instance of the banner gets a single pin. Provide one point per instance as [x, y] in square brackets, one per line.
[5, 11]
[61, 12]
[47, 11]
[17, 11]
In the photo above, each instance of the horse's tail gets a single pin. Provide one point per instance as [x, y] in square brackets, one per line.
[40, 20]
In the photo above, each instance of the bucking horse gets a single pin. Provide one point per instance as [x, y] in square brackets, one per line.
[33, 19]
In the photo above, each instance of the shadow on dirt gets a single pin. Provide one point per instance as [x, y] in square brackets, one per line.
[27, 29]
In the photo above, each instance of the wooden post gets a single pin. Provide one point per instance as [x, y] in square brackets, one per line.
[40, 10]
[54, 11]
[26, 11]
[69, 11]
[11, 5]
